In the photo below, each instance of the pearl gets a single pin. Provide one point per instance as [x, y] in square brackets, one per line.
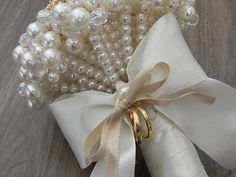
[98, 48]
[114, 78]
[122, 71]
[142, 29]
[74, 45]
[52, 58]
[110, 70]
[51, 40]
[105, 63]
[83, 80]
[91, 4]
[25, 39]
[32, 92]
[35, 29]
[194, 20]
[99, 76]
[18, 52]
[113, 55]
[118, 64]
[65, 88]
[186, 12]
[74, 76]
[128, 50]
[26, 58]
[114, 5]
[53, 77]
[82, 69]
[107, 28]
[99, 17]
[127, 9]
[60, 12]
[62, 68]
[75, 3]
[92, 84]
[37, 49]
[142, 18]
[90, 72]
[125, 19]
[106, 81]
[74, 88]
[23, 74]
[125, 29]
[37, 68]
[55, 87]
[126, 40]
[22, 88]
[79, 17]
[173, 4]
[100, 87]
[108, 46]
[94, 39]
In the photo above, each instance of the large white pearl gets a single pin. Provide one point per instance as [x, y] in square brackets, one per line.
[27, 58]
[35, 29]
[51, 40]
[60, 12]
[52, 58]
[18, 52]
[79, 17]
[114, 5]
[74, 45]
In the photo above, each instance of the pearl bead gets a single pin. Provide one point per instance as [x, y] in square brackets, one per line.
[74, 88]
[79, 17]
[142, 18]
[125, 29]
[55, 87]
[83, 80]
[142, 29]
[92, 84]
[109, 71]
[125, 19]
[65, 88]
[126, 40]
[74, 45]
[32, 92]
[37, 68]
[113, 55]
[26, 58]
[35, 29]
[99, 16]
[118, 64]
[51, 40]
[98, 48]
[53, 77]
[62, 68]
[94, 39]
[106, 81]
[108, 46]
[52, 58]
[60, 12]
[105, 63]
[74, 76]
[128, 50]
[90, 72]
[100, 87]
[122, 71]
[23, 74]
[18, 52]
[82, 69]
[37, 49]
[127, 9]
[91, 4]
[114, 78]
[186, 12]
[75, 3]
[173, 4]
[21, 89]
[107, 28]
[99, 76]
[114, 5]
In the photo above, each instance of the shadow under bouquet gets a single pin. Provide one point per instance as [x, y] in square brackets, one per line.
[117, 73]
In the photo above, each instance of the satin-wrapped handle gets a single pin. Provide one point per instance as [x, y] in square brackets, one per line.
[168, 152]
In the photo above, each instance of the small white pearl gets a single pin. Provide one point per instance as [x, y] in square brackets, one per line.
[26, 58]
[118, 64]
[92, 84]
[142, 28]
[79, 17]
[126, 40]
[60, 12]
[105, 63]
[53, 77]
[83, 80]
[52, 58]
[18, 52]
[91, 4]
[99, 76]
[90, 72]
[114, 78]
[37, 49]
[108, 46]
[122, 71]
[35, 29]
[106, 81]
[125, 19]
[23, 74]
[74, 76]
[32, 92]
[100, 87]
[94, 39]
[110, 70]
[74, 45]
[74, 88]
[98, 48]
[142, 18]
[82, 69]
[114, 5]
[125, 29]
[128, 50]
[75, 3]
[62, 68]
[51, 40]
[65, 88]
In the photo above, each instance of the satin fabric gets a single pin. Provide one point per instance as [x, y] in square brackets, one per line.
[211, 127]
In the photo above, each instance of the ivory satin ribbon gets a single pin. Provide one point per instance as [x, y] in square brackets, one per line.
[80, 113]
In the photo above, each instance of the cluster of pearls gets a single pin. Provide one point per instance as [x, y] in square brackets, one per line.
[79, 45]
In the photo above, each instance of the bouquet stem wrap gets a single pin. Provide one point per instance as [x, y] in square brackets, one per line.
[168, 152]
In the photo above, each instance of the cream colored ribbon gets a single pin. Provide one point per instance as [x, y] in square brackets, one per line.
[106, 135]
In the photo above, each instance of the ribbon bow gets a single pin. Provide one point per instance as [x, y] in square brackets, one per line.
[164, 73]
[146, 82]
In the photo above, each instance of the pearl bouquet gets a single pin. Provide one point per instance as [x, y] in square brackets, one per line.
[79, 45]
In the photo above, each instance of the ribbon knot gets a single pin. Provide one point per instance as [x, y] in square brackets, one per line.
[106, 136]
